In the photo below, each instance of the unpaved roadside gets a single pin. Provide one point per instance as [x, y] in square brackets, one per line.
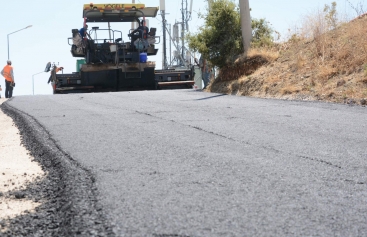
[17, 169]
[59, 199]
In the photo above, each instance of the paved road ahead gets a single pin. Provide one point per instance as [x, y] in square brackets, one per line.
[199, 164]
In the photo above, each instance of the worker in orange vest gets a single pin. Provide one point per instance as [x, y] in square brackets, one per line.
[56, 69]
[8, 74]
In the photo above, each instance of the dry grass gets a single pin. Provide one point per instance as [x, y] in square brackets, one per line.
[290, 89]
[245, 66]
[317, 64]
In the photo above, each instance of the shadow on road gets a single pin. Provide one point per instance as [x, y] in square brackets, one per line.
[211, 97]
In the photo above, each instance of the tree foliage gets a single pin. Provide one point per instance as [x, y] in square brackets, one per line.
[261, 33]
[220, 39]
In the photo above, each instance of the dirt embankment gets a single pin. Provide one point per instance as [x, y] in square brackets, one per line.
[329, 67]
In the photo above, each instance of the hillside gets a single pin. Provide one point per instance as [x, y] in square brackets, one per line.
[330, 67]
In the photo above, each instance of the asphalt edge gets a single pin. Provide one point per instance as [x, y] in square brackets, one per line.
[72, 195]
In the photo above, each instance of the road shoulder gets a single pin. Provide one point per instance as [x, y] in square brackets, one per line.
[17, 170]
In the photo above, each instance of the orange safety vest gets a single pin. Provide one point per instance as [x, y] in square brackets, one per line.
[8, 72]
[57, 70]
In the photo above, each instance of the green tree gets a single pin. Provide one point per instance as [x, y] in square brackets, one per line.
[219, 40]
[261, 33]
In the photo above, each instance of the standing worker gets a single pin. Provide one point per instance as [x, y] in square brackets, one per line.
[53, 72]
[8, 74]
[205, 71]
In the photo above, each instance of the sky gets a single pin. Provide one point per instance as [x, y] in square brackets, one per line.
[52, 21]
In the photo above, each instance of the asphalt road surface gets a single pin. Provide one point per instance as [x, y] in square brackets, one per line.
[190, 163]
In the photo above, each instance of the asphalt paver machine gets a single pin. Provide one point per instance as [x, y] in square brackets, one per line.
[117, 59]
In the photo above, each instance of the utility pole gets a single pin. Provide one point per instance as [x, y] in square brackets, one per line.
[170, 42]
[245, 24]
[174, 36]
[163, 13]
[186, 16]
[183, 30]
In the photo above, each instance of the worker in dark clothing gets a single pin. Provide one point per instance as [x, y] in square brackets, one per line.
[205, 71]
[140, 33]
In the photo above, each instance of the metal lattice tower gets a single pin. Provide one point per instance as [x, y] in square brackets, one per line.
[180, 56]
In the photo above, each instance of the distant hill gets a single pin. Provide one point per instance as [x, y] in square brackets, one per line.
[330, 67]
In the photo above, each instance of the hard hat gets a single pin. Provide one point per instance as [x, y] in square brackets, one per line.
[8, 62]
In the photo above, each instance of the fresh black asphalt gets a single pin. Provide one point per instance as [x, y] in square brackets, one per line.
[190, 163]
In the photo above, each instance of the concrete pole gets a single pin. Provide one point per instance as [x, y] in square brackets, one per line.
[164, 39]
[183, 32]
[162, 4]
[245, 24]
